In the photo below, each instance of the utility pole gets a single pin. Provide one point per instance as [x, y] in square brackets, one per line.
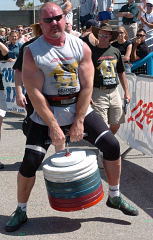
[34, 12]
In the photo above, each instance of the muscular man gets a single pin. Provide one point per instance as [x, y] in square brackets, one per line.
[58, 66]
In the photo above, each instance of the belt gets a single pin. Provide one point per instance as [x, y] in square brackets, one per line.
[62, 100]
[107, 87]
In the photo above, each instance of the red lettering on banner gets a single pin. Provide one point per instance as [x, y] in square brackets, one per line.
[145, 112]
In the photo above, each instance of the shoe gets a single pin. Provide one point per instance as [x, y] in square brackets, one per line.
[1, 165]
[120, 204]
[18, 218]
[100, 160]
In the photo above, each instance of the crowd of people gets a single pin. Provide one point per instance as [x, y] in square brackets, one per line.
[84, 68]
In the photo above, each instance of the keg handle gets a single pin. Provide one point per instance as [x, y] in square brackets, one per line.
[67, 151]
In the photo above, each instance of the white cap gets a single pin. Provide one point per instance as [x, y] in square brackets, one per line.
[149, 1]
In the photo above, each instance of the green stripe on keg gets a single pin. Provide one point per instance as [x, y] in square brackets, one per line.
[73, 188]
[76, 183]
[76, 194]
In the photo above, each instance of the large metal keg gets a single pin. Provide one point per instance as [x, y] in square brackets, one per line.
[73, 180]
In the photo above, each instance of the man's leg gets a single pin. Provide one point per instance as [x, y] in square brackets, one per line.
[36, 148]
[100, 136]
[24, 187]
[115, 167]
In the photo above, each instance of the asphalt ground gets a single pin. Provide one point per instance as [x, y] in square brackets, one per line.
[96, 223]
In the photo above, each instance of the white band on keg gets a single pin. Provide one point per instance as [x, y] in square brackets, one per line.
[36, 148]
[102, 134]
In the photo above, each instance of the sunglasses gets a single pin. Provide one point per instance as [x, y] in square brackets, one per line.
[140, 35]
[104, 36]
[56, 18]
[120, 32]
[20, 30]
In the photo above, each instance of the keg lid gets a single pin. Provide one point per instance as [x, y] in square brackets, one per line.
[60, 159]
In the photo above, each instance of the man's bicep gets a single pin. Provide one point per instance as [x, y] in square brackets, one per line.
[86, 68]
[32, 76]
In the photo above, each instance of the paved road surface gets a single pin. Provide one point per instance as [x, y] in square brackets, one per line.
[95, 223]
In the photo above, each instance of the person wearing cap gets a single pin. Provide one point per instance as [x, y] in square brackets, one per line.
[147, 18]
[87, 36]
[109, 70]
[129, 13]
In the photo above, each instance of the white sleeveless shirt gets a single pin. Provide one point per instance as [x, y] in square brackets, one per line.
[59, 65]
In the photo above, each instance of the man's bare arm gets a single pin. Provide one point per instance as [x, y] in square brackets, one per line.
[124, 83]
[86, 76]
[125, 14]
[20, 98]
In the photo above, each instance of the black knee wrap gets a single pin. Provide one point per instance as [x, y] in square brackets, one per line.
[31, 162]
[109, 145]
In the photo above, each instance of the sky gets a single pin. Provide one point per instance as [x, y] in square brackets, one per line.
[11, 4]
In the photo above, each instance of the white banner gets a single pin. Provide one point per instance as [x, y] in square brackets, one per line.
[137, 131]
[9, 86]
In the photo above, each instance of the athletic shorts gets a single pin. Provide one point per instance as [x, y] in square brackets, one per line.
[38, 135]
[3, 106]
[108, 104]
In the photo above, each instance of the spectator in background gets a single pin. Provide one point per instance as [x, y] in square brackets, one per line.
[88, 9]
[68, 29]
[87, 36]
[8, 30]
[139, 50]
[125, 47]
[129, 13]
[142, 7]
[147, 18]
[21, 38]
[3, 53]
[21, 99]
[13, 46]
[105, 8]
[67, 10]
[109, 70]
[3, 38]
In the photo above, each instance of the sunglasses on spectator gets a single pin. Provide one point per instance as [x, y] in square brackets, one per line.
[20, 30]
[120, 32]
[56, 18]
[104, 36]
[140, 35]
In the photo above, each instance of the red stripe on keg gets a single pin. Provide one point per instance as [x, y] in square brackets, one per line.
[82, 198]
[78, 203]
[80, 207]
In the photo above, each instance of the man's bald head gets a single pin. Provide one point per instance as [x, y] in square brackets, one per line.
[50, 7]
